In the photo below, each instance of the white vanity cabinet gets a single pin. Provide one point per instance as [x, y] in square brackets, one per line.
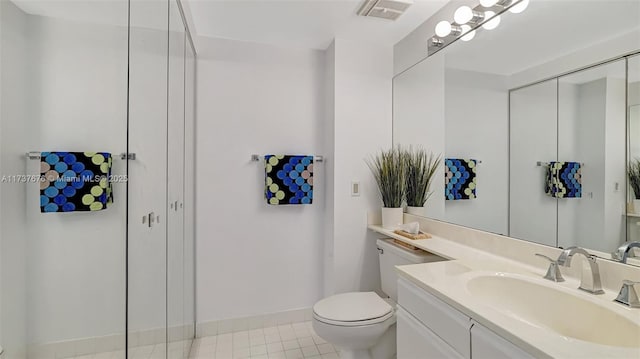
[430, 328]
[486, 344]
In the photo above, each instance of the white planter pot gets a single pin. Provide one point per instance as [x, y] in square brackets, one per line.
[418, 211]
[391, 217]
[636, 206]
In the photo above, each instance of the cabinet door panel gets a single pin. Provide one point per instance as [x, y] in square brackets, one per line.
[417, 341]
[486, 344]
[448, 323]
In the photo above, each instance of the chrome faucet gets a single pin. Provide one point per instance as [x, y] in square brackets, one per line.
[592, 285]
[622, 253]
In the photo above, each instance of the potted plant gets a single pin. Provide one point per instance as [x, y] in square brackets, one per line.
[634, 181]
[420, 168]
[388, 169]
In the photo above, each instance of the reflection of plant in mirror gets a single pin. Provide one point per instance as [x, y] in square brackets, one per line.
[421, 166]
[388, 168]
[634, 177]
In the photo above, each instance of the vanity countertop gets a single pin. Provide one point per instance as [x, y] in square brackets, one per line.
[450, 281]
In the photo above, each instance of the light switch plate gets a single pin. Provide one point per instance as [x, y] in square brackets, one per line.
[355, 188]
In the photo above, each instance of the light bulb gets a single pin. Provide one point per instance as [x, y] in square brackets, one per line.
[519, 7]
[443, 28]
[463, 15]
[468, 35]
[488, 3]
[493, 23]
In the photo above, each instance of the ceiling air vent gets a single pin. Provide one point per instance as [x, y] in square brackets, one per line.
[385, 9]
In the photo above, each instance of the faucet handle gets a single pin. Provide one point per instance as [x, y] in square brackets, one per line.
[546, 257]
[553, 272]
[628, 295]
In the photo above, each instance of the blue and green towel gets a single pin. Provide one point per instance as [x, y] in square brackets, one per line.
[75, 181]
[459, 179]
[563, 180]
[288, 179]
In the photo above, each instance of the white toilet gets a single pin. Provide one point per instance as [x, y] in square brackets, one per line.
[361, 324]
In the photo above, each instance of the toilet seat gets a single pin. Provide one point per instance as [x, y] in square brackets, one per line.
[352, 309]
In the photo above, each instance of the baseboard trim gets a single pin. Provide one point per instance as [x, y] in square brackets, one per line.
[210, 328]
[111, 343]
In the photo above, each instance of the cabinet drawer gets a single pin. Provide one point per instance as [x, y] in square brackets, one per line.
[489, 345]
[443, 320]
[417, 341]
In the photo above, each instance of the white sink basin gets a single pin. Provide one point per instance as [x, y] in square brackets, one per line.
[556, 309]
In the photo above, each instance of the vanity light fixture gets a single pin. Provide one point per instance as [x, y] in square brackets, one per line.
[444, 29]
[465, 14]
[488, 3]
[468, 20]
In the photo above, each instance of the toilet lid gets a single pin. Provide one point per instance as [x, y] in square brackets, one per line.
[352, 307]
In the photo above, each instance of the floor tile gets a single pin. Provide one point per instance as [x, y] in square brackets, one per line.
[294, 354]
[275, 347]
[296, 340]
[290, 344]
[310, 351]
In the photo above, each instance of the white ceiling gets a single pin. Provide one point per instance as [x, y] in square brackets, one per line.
[292, 23]
[302, 23]
[545, 31]
[111, 12]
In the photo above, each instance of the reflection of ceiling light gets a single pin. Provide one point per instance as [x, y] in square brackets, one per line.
[469, 35]
[493, 23]
[519, 7]
[488, 3]
[443, 28]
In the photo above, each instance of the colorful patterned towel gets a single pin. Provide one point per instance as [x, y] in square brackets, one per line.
[563, 180]
[459, 179]
[75, 181]
[288, 179]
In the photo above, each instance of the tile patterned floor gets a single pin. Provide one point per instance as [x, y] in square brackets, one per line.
[291, 341]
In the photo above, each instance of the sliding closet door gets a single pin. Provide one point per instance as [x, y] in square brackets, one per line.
[591, 126]
[175, 189]
[147, 228]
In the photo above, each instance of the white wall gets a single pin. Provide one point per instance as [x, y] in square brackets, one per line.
[362, 126]
[329, 166]
[254, 258]
[76, 261]
[476, 108]
[15, 110]
[419, 118]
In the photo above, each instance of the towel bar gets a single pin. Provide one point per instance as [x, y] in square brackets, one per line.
[256, 158]
[123, 156]
[540, 163]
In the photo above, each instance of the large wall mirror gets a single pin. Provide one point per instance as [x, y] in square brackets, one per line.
[548, 107]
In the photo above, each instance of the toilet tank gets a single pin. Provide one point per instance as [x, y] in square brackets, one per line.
[392, 255]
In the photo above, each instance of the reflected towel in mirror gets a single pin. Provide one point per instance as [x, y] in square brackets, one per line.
[459, 179]
[563, 180]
